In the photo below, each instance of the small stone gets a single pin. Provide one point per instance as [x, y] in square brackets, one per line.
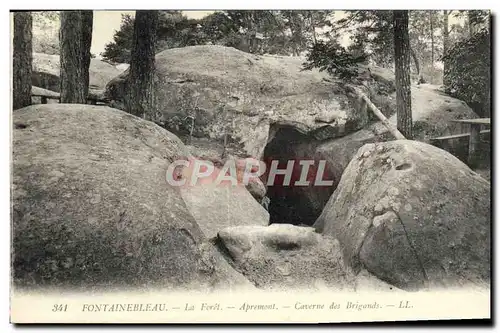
[95, 199]
[393, 191]
[92, 220]
[385, 218]
[284, 269]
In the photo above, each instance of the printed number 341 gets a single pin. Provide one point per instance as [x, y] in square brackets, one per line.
[60, 307]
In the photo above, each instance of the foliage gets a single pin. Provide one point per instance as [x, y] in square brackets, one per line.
[335, 59]
[46, 32]
[255, 31]
[372, 31]
[468, 74]
[477, 17]
[119, 50]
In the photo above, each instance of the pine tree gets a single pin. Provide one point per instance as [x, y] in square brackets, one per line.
[402, 65]
[75, 37]
[22, 59]
[446, 45]
[86, 40]
[140, 100]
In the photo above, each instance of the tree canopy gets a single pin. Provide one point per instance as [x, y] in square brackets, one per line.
[255, 31]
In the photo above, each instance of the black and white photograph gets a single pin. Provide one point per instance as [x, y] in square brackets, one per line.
[250, 166]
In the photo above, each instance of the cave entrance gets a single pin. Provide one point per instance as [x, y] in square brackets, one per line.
[297, 205]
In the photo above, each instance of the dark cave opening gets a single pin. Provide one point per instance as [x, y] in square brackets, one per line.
[294, 203]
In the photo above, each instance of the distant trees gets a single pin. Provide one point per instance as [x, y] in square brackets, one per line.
[430, 32]
[372, 31]
[468, 71]
[402, 66]
[46, 24]
[87, 17]
[446, 44]
[383, 33]
[255, 31]
[22, 59]
[141, 92]
[75, 38]
[335, 59]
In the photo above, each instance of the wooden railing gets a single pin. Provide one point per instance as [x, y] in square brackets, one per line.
[93, 97]
[473, 148]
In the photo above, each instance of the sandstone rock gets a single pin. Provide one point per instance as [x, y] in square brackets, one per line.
[433, 113]
[430, 120]
[91, 207]
[283, 256]
[122, 67]
[213, 151]
[413, 215]
[217, 207]
[46, 72]
[226, 94]
[257, 189]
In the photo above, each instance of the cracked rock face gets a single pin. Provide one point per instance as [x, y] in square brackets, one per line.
[413, 215]
[283, 256]
[91, 206]
[218, 207]
[241, 94]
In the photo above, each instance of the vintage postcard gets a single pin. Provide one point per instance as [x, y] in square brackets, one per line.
[250, 166]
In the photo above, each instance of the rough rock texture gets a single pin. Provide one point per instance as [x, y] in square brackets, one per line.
[46, 72]
[413, 215]
[91, 206]
[213, 151]
[217, 207]
[432, 113]
[241, 94]
[282, 256]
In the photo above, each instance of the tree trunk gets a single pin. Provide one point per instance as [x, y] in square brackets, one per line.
[70, 40]
[22, 60]
[432, 37]
[86, 40]
[469, 23]
[446, 41]
[140, 101]
[402, 64]
[313, 27]
[415, 60]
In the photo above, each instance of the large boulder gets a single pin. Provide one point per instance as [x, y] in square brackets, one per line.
[217, 207]
[283, 256]
[228, 91]
[215, 153]
[412, 215]
[288, 257]
[433, 113]
[46, 72]
[92, 208]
